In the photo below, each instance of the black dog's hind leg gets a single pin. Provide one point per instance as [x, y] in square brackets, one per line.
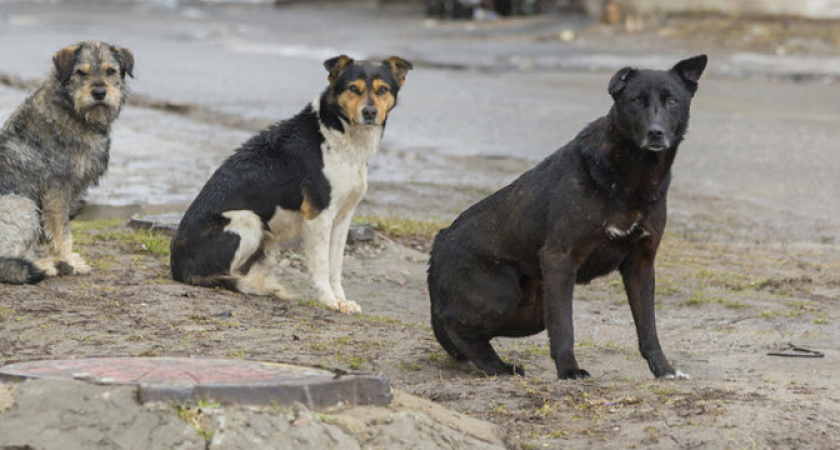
[482, 354]
[639, 282]
[443, 339]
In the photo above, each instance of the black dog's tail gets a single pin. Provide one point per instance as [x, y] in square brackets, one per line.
[437, 324]
[19, 271]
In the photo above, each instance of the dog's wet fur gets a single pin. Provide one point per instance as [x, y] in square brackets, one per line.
[302, 177]
[507, 266]
[52, 148]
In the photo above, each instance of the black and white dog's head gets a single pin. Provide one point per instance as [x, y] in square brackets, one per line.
[652, 106]
[363, 92]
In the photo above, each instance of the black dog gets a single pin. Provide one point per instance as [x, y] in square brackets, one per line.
[507, 266]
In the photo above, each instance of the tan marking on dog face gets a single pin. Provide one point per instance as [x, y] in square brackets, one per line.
[383, 99]
[351, 102]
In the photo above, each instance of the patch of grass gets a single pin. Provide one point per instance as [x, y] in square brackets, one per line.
[312, 303]
[194, 416]
[400, 226]
[540, 350]
[326, 418]
[144, 241]
[821, 319]
[730, 280]
[238, 353]
[353, 362]
[410, 366]
[6, 312]
[700, 299]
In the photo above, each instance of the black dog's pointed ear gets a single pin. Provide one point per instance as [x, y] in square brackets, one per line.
[690, 70]
[399, 67]
[619, 80]
[64, 61]
[335, 65]
[126, 60]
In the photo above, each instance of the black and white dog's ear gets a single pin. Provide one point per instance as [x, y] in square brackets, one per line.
[619, 80]
[399, 67]
[335, 65]
[689, 70]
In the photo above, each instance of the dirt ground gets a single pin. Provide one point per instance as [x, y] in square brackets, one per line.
[721, 308]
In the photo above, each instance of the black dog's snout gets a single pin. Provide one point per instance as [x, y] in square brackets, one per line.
[369, 112]
[99, 93]
[656, 133]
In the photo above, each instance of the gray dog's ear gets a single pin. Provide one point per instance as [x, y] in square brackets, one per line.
[399, 67]
[126, 60]
[619, 80]
[690, 70]
[64, 61]
[335, 65]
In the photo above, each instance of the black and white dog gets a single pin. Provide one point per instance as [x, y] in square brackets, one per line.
[508, 265]
[302, 177]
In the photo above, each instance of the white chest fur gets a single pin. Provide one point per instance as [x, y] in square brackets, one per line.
[346, 156]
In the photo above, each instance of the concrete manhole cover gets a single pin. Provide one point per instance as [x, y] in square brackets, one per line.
[231, 381]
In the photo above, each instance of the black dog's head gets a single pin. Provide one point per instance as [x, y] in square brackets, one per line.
[364, 92]
[651, 106]
[92, 74]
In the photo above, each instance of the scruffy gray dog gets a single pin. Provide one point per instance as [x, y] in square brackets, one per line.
[52, 148]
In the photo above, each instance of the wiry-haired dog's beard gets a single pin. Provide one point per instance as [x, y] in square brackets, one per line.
[97, 112]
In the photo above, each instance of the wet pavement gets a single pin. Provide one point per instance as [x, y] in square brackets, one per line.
[479, 107]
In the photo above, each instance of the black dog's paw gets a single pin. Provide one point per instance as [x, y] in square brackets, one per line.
[515, 370]
[573, 374]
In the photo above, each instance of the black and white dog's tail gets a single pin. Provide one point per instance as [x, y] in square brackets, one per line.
[19, 271]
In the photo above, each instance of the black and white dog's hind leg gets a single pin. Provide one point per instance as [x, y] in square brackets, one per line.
[250, 269]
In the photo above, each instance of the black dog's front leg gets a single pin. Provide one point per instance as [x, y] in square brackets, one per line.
[639, 283]
[559, 272]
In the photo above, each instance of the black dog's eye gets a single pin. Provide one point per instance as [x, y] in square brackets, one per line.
[110, 71]
[672, 102]
[637, 102]
[81, 73]
[354, 90]
[382, 91]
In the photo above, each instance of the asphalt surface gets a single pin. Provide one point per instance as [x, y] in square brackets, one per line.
[756, 145]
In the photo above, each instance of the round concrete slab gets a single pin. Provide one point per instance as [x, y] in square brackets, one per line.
[226, 381]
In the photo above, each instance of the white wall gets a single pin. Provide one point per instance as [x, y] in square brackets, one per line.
[815, 9]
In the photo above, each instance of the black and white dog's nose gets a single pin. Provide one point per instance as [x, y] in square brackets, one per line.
[369, 113]
[99, 93]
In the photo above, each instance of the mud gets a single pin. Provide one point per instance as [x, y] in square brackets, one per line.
[721, 307]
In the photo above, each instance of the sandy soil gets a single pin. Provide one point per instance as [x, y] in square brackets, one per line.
[721, 308]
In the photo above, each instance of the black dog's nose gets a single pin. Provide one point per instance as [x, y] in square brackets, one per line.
[656, 134]
[99, 93]
[369, 112]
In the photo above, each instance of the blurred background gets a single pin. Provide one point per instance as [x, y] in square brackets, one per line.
[497, 86]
